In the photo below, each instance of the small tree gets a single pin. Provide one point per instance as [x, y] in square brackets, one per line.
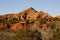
[43, 21]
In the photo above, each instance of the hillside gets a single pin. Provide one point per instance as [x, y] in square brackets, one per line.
[27, 23]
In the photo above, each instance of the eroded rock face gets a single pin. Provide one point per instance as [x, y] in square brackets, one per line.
[7, 16]
[31, 14]
[3, 25]
[16, 26]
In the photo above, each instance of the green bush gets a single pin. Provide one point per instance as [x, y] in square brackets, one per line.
[43, 21]
[12, 21]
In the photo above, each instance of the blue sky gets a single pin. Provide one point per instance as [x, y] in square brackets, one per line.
[14, 6]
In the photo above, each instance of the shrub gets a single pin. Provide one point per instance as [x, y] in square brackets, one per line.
[43, 21]
[1, 21]
[12, 21]
[56, 34]
[29, 35]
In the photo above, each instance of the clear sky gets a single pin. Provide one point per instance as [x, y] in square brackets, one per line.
[14, 6]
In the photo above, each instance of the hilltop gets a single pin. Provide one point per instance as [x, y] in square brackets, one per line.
[27, 14]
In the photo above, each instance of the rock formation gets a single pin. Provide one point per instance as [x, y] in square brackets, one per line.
[28, 14]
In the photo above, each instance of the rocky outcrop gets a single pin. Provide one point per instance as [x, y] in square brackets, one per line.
[57, 17]
[16, 26]
[3, 25]
[31, 14]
